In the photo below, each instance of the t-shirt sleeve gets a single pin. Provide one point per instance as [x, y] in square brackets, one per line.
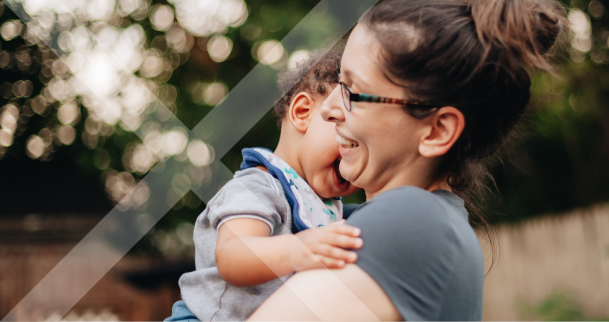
[408, 250]
[253, 193]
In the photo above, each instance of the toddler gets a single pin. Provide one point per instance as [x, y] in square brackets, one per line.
[254, 232]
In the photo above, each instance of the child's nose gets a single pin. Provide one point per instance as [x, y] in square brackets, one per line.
[331, 109]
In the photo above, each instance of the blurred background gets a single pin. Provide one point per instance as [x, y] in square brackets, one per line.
[65, 161]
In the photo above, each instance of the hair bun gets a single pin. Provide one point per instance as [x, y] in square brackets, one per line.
[526, 29]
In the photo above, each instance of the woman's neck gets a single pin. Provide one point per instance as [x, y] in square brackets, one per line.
[441, 184]
[420, 180]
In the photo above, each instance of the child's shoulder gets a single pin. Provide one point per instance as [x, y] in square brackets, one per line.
[256, 180]
[251, 191]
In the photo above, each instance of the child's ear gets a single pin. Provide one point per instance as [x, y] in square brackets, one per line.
[443, 129]
[300, 111]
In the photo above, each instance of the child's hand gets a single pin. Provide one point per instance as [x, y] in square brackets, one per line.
[324, 247]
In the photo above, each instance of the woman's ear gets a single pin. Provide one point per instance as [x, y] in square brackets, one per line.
[443, 130]
[300, 111]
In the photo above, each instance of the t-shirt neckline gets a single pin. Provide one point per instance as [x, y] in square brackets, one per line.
[453, 199]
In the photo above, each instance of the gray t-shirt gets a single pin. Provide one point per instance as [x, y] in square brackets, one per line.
[421, 250]
[252, 193]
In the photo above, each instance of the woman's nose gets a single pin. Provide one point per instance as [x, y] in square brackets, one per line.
[331, 109]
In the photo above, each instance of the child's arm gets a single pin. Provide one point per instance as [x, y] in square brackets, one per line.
[246, 255]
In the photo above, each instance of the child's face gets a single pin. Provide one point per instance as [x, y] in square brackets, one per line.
[319, 157]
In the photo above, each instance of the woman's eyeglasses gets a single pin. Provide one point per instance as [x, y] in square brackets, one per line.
[349, 98]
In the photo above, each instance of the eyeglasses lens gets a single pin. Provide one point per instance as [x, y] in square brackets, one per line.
[346, 96]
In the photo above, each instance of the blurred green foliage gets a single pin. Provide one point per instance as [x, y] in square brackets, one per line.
[559, 306]
[560, 158]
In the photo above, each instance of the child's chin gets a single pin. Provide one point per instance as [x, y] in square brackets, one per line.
[327, 195]
[325, 192]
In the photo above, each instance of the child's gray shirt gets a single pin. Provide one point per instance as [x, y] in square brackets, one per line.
[252, 193]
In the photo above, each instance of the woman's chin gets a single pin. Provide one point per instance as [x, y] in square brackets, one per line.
[353, 162]
[346, 172]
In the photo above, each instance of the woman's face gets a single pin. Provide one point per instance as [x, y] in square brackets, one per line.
[379, 142]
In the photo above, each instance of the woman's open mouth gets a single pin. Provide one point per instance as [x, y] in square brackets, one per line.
[339, 181]
[346, 143]
[347, 147]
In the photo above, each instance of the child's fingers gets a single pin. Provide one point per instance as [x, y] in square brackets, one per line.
[331, 262]
[342, 241]
[342, 228]
[336, 253]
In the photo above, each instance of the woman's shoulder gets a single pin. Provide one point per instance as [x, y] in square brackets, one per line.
[421, 219]
[410, 204]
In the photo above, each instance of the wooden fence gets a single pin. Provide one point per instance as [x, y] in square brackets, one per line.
[30, 248]
[567, 253]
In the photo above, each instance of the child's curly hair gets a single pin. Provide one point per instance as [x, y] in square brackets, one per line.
[316, 75]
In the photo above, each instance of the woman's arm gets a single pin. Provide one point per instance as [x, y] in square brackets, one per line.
[347, 294]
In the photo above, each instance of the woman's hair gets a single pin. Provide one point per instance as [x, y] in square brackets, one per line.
[312, 75]
[473, 55]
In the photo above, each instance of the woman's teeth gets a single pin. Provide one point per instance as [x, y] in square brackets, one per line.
[346, 143]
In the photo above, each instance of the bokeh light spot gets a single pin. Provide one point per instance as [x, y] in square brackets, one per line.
[161, 17]
[297, 57]
[582, 30]
[270, 52]
[215, 93]
[68, 113]
[66, 134]
[199, 153]
[6, 138]
[203, 18]
[11, 29]
[219, 48]
[35, 146]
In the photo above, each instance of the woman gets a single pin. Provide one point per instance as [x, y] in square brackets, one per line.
[441, 84]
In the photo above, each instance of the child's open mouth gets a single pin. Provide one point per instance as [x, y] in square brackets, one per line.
[339, 181]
